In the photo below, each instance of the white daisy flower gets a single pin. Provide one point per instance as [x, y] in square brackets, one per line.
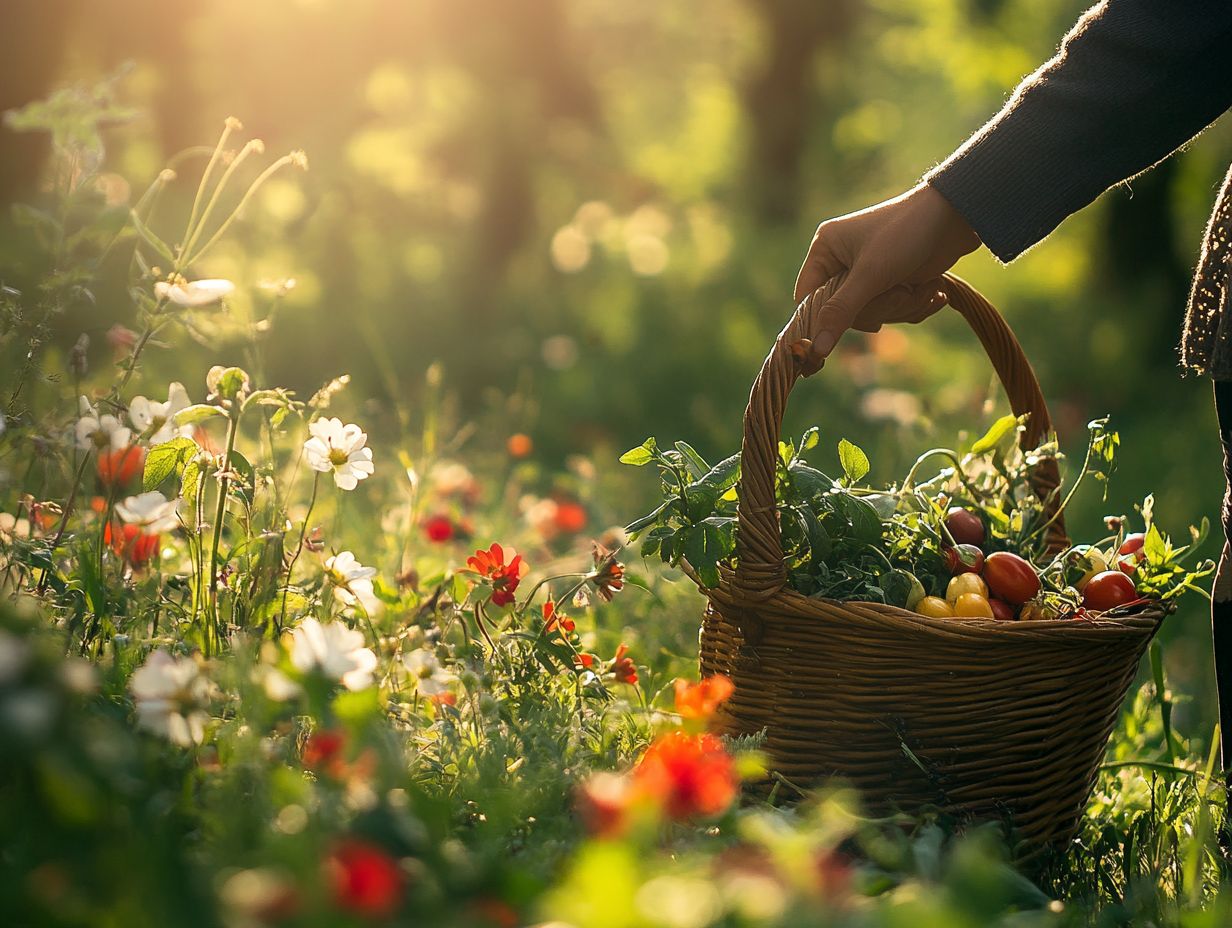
[100, 432]
[12, 528]
[172, 697]
[340, 448]
[352, 581]
[431, 679]
[152, 511]
[194, 294]
[333, 650]
[157, 419]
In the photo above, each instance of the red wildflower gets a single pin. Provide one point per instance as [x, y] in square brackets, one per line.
[603, 802]
[325, 751]
[584, 661]
[121, 340]
[553, 620]
[623, 667]
[690, 775]
[608, 576]
[438, 528]
[364, 878]
[120, 467]
[570, 517]
[700, 700]
[519, 445]
[504, 577]
[132, 544]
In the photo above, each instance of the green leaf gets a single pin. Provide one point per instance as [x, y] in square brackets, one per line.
[854, 461]
[700, 500]
[695, 463]
[1155, 547]
[649, 519]
[642, 455]
[166, 459]
[190, 484]
[703, 548]
[198, 412]
[724, 475]
[996, 432]
[809, 440]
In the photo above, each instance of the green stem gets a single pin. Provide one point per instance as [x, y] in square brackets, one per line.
[224, 483]
[303, 533]
[68, 511]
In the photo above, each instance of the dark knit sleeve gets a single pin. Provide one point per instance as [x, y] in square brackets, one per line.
[1132, 82]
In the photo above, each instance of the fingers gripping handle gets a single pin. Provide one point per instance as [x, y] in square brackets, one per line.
[760, 572]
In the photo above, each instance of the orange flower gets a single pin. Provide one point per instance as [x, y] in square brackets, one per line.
[691, 776]
[700, 700]
[121, 466]
[504, 577]
[519, 445]
[608, 576]
[132, 544]
[623, 667]
[364, 878]
[438, 528]
[553, 620]
[325, 751]
[570, 517]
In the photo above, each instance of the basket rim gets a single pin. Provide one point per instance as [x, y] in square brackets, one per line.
[1144, 620]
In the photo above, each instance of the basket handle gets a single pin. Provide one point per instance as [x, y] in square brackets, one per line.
[760, 572]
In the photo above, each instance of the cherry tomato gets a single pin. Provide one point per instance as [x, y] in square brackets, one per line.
[965, 583]
[973, 605]
[934, 607]
[1011, 577]
[964, 526]
[964, 559]
[1002, 610]
[1108, 590]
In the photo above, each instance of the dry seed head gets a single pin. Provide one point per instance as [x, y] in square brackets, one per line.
[166, 175]
[255, 145]
[233, 124]
[299, 158]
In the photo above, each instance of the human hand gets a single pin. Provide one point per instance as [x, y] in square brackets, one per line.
[894, 254]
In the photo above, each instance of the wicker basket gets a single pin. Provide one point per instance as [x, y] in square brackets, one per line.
[980, 718]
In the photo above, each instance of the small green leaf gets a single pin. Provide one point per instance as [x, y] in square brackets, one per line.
[996, 432]
[1155, 547]
[166, 459]
[198, 412]
[190, 483]
[724, 475]
[642, 455]
[695, 463]
[854, 461]
[809, 440]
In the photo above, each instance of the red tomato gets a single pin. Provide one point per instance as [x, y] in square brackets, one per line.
[1108, 590]
[964, 559]
[1002, 610]
[1010, 577]
[964, 526]
[1130, 553]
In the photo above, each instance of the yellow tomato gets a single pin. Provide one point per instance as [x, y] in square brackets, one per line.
[1095, 563]
[973, 606]
[963, 584]
[934, 607]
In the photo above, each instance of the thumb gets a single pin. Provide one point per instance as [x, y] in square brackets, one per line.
[839, 312]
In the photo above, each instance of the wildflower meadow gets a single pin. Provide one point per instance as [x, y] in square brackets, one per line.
[386, 642]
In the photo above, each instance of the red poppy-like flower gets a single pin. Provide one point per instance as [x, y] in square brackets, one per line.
[603, 803]
[691, 776]
[623, 667]
[700, 700]
[121, 340]
[325, 751]
[438, 528]
[503, 576]
[519, 445]
[121, 466]
[584, 661]
[364, 878]
[570, 517]
[131, 543]
[553, 619]
[608, 576]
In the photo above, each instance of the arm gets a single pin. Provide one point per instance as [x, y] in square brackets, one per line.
[1133, 81]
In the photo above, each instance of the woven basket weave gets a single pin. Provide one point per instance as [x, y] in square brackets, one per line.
[983, 719]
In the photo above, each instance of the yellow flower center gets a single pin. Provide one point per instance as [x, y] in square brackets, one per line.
[337, 457]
